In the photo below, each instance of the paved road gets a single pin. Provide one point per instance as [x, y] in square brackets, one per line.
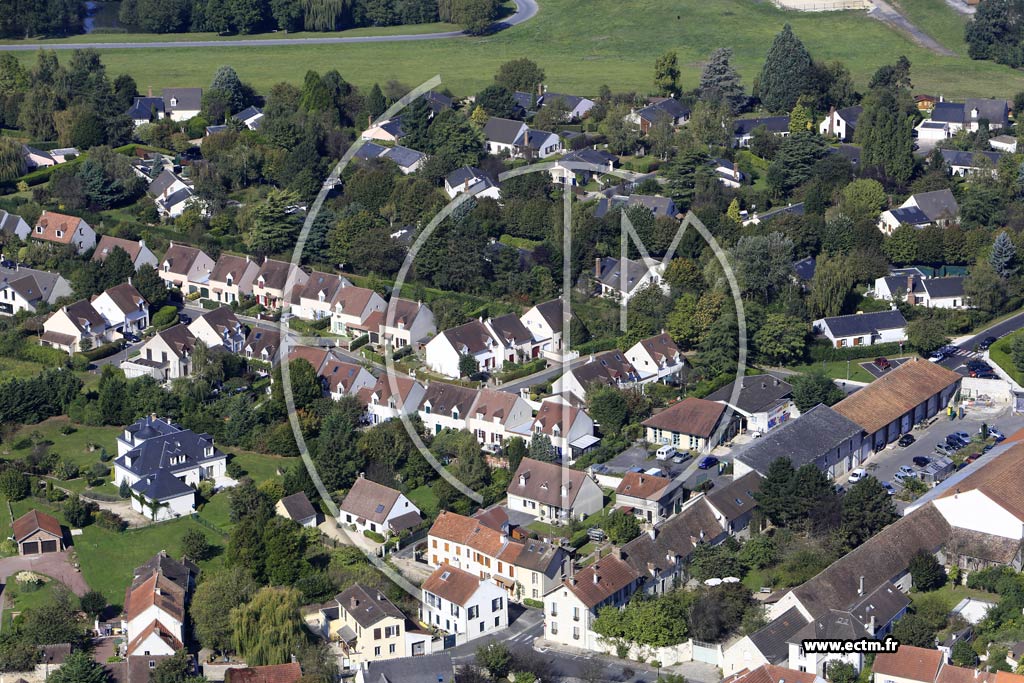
[54, 565]
[542, 377]
[1001, 329]
[888, 14]
[525, 10]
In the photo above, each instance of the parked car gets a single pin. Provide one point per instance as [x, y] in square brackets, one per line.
[857, 475]
[131, 337]
[907, 470]
[938, 355]
[922, 461]
[665, 452]
[184, 318]
[996, 434]
[900, 476]
[963, 436]
[972, 457]
[987, 447]
[889, 488]
[707, 462]
[906, 440]
[883, 363]
[954, 441]
[944, 450]
[681, 458]
[987, 342]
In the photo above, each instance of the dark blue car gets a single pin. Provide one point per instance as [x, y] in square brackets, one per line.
[707, 462]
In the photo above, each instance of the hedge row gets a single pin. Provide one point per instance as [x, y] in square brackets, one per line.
[103, 351]
[826, 352]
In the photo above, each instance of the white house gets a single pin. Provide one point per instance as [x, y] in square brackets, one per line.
[313, 301]
[165, 356]
[459, 603]
[26, 289]
[123, 308]
[76, 327]
[445, 406]
[932, 131]
[182, 104]
[610, 368]
[934, 292]
[369, 506]
[275, 281]
[840, 123]
[910, 664]
[544, 322]
[500, 135]
[651, 498]
[622, 279]
[62, 230]
[516, 341]
[570, 429]
[186, 269]
[219, 328]
[494, 416]
[471, 179]
[656, 358]
[571, 608]
[412, 323]
[13, 224]
[689, 425]
[351, 307]
[383, 403]
[764, 402]
[232, 278]
[263, 345]
[163, 463]
[964, 164]
[863, 329]
[938, 207]
[1004, 143]
[154, 610]
[549, 491]
[445, 351]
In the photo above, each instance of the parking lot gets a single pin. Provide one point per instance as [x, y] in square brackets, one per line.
[638, 456]
[877, 370]
[884, 464]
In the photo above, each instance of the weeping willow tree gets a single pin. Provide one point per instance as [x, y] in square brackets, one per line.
[268, 630]
[12, 163]
[324, 15]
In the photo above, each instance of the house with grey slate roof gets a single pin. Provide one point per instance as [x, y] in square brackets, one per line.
[26, 289]
[764, 402]
[13, 224]
[768, 645]
[163, 464]
[821, 437]
[863, 329]
[963, 163]
[930, 292]
[938, 207]
[407, 160]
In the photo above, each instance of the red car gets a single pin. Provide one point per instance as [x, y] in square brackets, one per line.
[883, 363]
[972, 457]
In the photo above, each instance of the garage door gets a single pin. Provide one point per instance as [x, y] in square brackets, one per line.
[49, 546]
[30, 548]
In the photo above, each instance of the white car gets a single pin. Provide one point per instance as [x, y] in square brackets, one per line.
[857, 475]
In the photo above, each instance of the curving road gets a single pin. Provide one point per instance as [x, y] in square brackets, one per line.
[525, 10]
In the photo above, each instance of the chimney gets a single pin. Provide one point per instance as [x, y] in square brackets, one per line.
[149, 91]
[617, 552]
[860, 586]
[354, 602]
[369, 120]
[597, 266]
[504, 539]
[871, 626]
[465, 185]
[653, 533]
[597, 578]
[831, 121]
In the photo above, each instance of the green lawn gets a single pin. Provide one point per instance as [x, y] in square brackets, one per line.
[216, 511]
[26, 599]
[938, 20]
[260, 467]
[425, 499]
[954, 594]
[999, 353]
[607, 42]
[73, 447]
[838, 370]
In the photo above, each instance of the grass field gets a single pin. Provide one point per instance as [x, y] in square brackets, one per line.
[425, 499]
[938, 20]
[584, 47]
[999, 353]
[838, 370]
[72, 447]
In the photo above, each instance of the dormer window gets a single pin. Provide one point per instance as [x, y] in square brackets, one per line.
[167, 267]
[174, 101]
[39, 230]
[230, 281]
[455, 414]
[60, 233]
[426, 409]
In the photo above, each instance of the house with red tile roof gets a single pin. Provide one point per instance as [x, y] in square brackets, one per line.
[63, 230]
[37, 533]
[572, 606]
[463, 604]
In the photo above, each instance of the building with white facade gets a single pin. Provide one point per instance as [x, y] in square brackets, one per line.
[459, 603]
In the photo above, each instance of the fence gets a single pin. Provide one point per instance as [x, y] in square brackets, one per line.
[822, 5]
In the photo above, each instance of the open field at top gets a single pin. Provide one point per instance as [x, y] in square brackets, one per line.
[585, 46]
[938, 20]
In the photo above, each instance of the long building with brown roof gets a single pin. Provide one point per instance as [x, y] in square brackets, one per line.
[549, 491]
[902, 397]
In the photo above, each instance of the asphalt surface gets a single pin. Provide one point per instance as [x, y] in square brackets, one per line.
[525, 10]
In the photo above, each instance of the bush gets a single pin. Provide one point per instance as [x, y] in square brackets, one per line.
[14, 485]
[536, 604]
[103, 351]
[66, 470]
[165, 317]
[67, 429]
[105, 519]
[359, 341]
[79, 362]
[826, 352]
[374, 536]
[234, 470]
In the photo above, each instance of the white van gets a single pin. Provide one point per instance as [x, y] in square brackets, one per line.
[665, 452]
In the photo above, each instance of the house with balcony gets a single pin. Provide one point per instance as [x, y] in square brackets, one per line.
[651, 498]
[657, 359]
[549, 491]
[569, 428]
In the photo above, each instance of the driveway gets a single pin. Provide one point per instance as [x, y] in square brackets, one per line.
[54, 565]
[525, 10]
[888, 14]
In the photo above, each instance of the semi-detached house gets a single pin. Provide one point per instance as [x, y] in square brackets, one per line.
[651, 498]
[571, 608]
[314, 300]
[275, 280]
[232, 278]
[526, 568]
[549, 491]
[186, 269]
